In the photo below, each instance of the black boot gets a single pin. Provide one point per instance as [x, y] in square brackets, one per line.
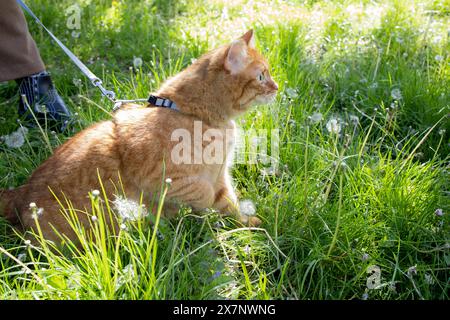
[42, 98]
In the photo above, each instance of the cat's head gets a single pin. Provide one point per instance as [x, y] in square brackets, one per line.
[223, 83]
[248, 73]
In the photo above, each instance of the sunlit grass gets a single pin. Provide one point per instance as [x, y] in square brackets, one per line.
[364, 155]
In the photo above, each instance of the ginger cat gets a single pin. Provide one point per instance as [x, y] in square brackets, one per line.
[138, 142]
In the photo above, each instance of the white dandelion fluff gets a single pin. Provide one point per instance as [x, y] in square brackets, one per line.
[438, 57]
[247, 208]
[35, 211]
[23, 130]
[95, 193]
[129, 209]
[396, 94]
[137, 62]
[126, 275]
[77, 82]
[291, 93]
[354, 119]
[333, 126]
[21, 257]
[15, 139]
[316, 117]
[412, 271]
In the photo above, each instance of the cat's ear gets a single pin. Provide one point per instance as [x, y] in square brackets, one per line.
[249, 38]
[237, 58]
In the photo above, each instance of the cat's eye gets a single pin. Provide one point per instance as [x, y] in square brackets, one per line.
[261, 77]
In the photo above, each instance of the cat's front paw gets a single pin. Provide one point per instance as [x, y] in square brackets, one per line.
[250, 221]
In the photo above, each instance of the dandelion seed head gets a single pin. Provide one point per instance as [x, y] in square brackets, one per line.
[365, 296]
[77, 82]
[16, 139]
[94, 218]
[439, 212]
[35, 211]
[438, 58]
[137, 62]
[365, 257]
[95, 193]
[247, 208]
[23, 130]
[291, 93]
[354, 119]
[27, 242]
[412, 271]
[168, 181]
[40, 212]
[316, 117]
[396, 94]
[22, 256]
[129, 209]
[333, 126]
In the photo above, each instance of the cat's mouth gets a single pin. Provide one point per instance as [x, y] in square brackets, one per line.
[266, 98]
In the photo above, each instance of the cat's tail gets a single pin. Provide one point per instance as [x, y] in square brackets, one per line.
[7, 204]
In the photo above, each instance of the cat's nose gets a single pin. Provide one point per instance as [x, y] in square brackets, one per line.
[273, 85]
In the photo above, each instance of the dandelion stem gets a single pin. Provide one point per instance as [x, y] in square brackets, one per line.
[333, 241]
[39, 280]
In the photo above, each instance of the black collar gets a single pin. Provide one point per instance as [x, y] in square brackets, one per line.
[162, 102]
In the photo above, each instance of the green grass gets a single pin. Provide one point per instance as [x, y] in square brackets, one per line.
[338, 204]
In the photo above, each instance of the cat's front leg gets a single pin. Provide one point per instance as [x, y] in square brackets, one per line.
[226, 202]
[194, 191]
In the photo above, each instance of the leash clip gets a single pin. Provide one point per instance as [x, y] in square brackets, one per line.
[107, 93]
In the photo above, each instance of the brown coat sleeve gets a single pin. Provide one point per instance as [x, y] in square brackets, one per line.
[19, 56]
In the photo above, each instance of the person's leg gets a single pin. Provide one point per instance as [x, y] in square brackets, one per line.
[20, 60]
[19, 56]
